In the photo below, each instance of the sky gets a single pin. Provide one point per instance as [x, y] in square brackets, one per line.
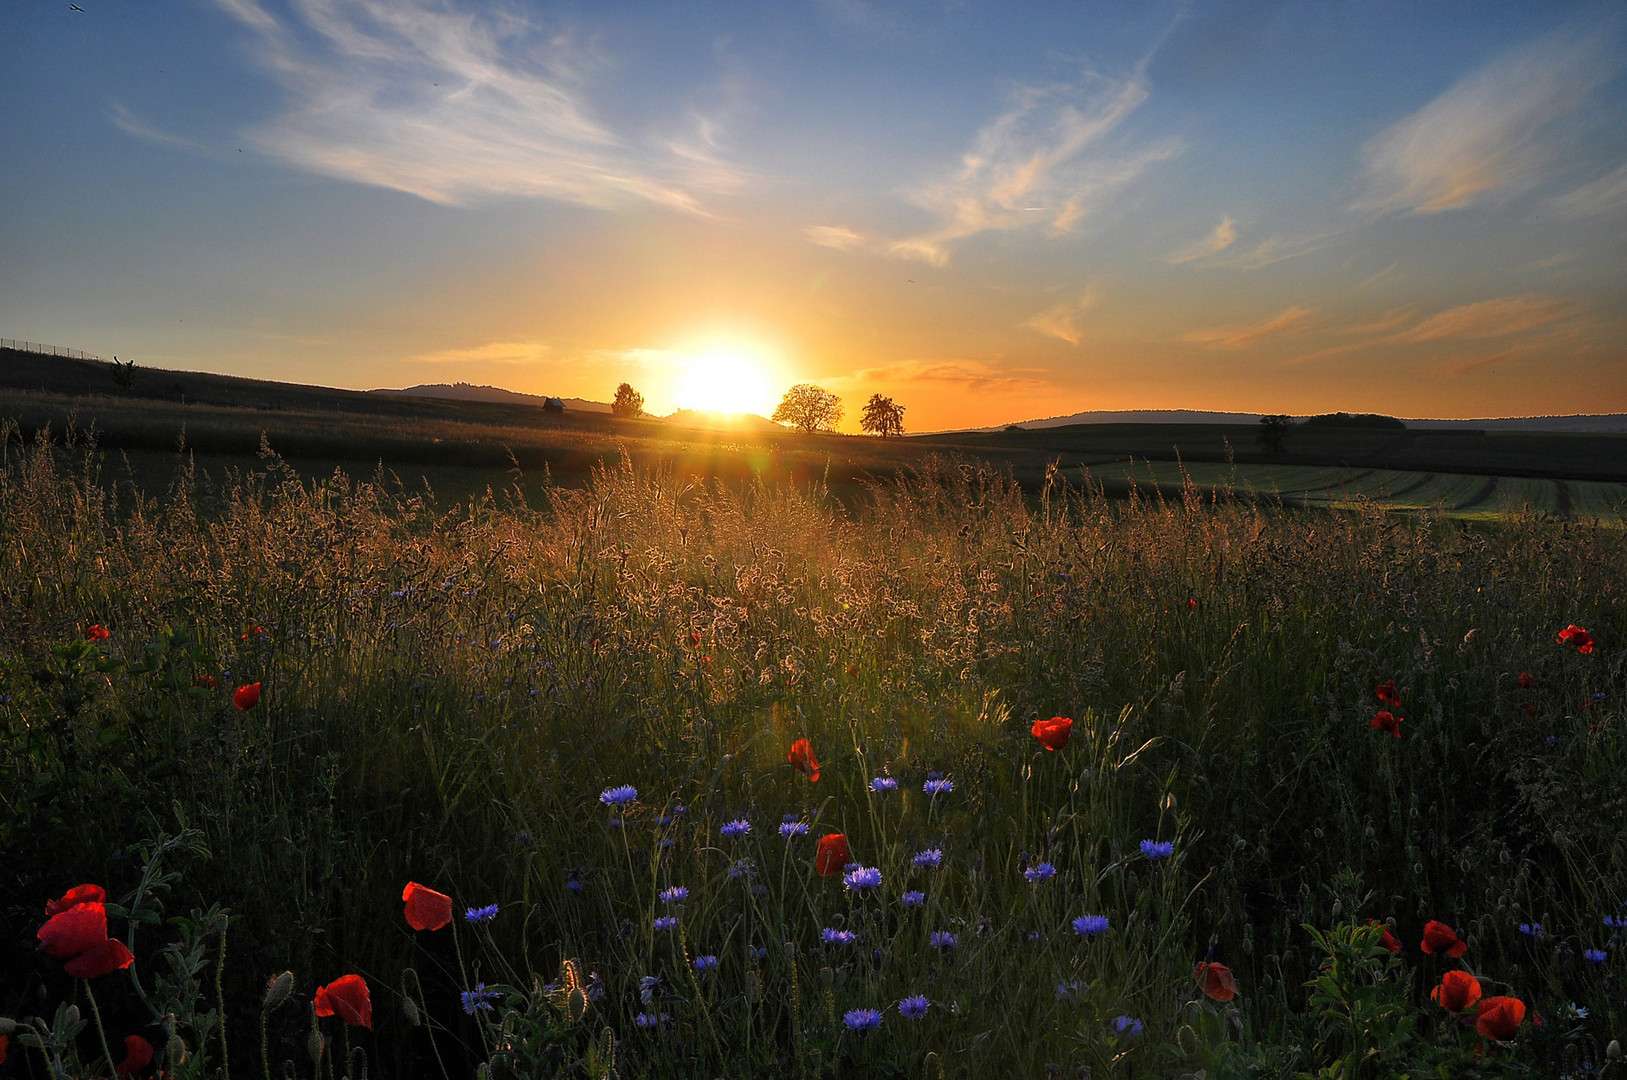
[988, 212]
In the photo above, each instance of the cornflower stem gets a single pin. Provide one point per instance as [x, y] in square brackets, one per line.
[95, 1010]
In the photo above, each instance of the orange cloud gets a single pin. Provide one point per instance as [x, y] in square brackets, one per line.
[1236, 336]
[1223, 237]
[1491, 318]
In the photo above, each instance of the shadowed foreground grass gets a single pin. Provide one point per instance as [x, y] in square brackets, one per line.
[447, 691]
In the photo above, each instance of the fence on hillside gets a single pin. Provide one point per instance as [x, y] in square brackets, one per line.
[47, 350]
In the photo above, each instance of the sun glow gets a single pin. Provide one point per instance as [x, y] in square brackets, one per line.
[726, 382]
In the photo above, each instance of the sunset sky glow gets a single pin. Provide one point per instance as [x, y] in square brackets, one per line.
[990, 212]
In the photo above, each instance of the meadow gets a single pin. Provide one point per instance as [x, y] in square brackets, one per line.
[1298, 735]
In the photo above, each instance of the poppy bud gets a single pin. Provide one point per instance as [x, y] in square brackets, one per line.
[175, 1051]
[576, 1005]
[7, 1025]
[70, 1016]
[754, 987]
[609, 1050]
[168, 1024]
[827, 976]
[315, 1045]
[410, 1007]
[1613, 1051]
[277, 990]
[815, 1061]
[1188, 1039]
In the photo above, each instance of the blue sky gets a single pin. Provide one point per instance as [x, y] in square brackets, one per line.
[988, 211]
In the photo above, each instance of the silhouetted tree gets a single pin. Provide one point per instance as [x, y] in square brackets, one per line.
[629, 402]
[1273, 430]
[882, 416]
[809, 407]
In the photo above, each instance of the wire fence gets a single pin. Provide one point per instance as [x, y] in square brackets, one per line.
[47, 350]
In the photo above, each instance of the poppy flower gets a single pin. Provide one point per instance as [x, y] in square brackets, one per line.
[347, 998]
[1575, 635]
[138, 1053]
[102, 958]
[5, 1044]
[832, 855]
[205, 681]
[1388, 940]
[79, 894]
[77, 930]
[1500, 1018]
[1438, 937]
[1387, 693]
[1457, 991]
[426, 908]
[96, 632]
[1216, 980]
[1054, 733]
[246, 697]
[1527, 680]
[1385, 722]
[802, 759]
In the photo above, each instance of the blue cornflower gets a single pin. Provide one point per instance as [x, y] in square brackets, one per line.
[1040, 872]
[666, 922]
[649, 1020]
[478, 998]
[574, 886]
[1063, 989]
[1594, 956]
[675, 895]
[742, 868]
[913, 1008]
[757, 953]
[1531, 929]
[943, 939]
[481, 914]
[863, 877]
[930, 857]
[1553, 740]
[793, 827]
[913, 898]
[1091, 925]
[883, 784]
[615, 796]
[705, 963]
[647, 986]
[832, 936]
[1156, 850]
[861, 1019]
[735, 828]
[666, 843]
[1128, 1026]
[938, 787]
[1616, 923]
[663, 820]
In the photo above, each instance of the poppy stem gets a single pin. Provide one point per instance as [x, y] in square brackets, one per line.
[95, 1010]
[220, 1003]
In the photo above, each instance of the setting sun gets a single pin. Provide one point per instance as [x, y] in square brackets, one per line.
[727, 382]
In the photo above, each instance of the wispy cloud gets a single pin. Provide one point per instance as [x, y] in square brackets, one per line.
[1237, 336]
[1060, 321]
[452, 105]
[1487, 135]
[1039, 165]
[1223, 237]
[1390, 320]
[1604, 197]
[493, 352]
[1491, 319]
[970, 376]
[834, 236]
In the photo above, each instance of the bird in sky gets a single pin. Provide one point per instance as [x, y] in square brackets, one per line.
[75, 7]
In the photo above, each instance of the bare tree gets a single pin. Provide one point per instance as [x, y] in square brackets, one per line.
[1273, 430]
[809, 408]
[629, 402]
[882, 416]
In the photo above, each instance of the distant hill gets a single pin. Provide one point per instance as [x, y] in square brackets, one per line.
[463, 391]
[695, 418]
[1595, 422]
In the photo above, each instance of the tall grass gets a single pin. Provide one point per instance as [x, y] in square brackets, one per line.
[447, 690]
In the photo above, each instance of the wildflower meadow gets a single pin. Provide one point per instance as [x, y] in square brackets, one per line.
[662, 777]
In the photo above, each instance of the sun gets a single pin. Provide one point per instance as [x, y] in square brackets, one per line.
[723, 381]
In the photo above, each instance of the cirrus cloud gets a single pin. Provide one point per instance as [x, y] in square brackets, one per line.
[1237, 336]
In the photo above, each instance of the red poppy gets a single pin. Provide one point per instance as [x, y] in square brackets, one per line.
[426, 908]
[257, 630]
[246, 697]
[1054, 733]
[1530, 710]
[347, 998]
[694, 640]
[96, 632]
[1438, 937]
[5, 1044]
[1388, 940]
[1575, 635]
[79, 929]
[1216, 980]
[1387, 694]
[1527, 680]
[832, 855]
[205, 681]
[1190, 604]
[79, 894]
[1457, 991]
[1387, 723]
[1500, 1018]
[802, 759]
[138, 1052]
[102, 958]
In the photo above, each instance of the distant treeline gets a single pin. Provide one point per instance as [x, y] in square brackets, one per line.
[1354, 420]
